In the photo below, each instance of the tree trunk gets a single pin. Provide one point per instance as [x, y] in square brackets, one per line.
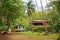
[7, 24]
[31, 24]
[7, 28]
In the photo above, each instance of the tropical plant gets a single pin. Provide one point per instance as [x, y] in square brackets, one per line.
[54, 14]
[11, 10]
[30, 7]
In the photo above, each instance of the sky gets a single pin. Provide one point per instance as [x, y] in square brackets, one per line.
[39, 4]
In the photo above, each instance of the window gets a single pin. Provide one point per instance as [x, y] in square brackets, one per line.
[46, 22]
[36, 24]
[15, 27]
[40, 23]
[19, 27]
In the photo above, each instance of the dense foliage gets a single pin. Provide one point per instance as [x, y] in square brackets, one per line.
[10, 10]
[14, 12]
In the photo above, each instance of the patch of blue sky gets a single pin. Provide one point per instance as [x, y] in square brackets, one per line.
[39, 4]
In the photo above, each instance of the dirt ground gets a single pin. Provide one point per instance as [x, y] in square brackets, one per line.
[22, 37]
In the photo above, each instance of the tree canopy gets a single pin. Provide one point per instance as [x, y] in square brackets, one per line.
[11, 10]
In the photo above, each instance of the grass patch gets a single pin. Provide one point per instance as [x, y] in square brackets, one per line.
[38, 35]
[32, 34]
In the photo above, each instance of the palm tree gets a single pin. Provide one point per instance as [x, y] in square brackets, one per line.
[30, 7]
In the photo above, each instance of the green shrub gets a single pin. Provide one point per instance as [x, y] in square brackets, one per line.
[42, 29]
[50, 29]
[4, 28]
[57, 28]
[39, 29]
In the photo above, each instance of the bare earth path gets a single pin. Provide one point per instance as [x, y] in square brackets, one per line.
[23, 37]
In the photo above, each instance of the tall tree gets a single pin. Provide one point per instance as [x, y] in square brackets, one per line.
[54, 13]
[30, 7]
[10, 10]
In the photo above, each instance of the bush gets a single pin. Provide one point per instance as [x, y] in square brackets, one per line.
[27, 28]
[4, 28]
[42, 29]
[50, 29]
[39, 29]
[57, 28]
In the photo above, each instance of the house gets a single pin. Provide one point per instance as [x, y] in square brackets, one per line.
[18, 28]
[39, 23]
